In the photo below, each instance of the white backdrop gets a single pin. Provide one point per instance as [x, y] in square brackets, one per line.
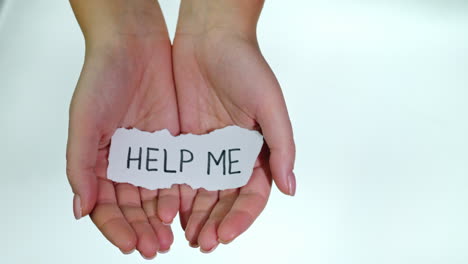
[377, 92]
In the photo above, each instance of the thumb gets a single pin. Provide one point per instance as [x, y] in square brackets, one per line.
[273, 118]
[82, 148]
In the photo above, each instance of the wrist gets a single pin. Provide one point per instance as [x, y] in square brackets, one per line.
[230, 16]
[117, 24]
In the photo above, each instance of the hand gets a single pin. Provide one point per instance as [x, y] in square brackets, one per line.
[222, 79]
[126, 81]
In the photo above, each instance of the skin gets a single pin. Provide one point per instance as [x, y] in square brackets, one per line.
[222, 79]
[126, 81]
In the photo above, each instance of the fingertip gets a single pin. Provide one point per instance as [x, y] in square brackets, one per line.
[282, 173]
[233, 225]
[164, 251]
[223, 242]
[190, 236]
[85, 196]
[127, 252]
[209, 250]
[167, 217]
[226, 237]
[83, 205]
[282, 183]
[166, 238]
[226, 233]
[147, 243]
[127, 244]
[277, 131]
[148, 257]
[193, 245]
[168, 205]
[284, 190]
[148, 246]
[287, 185]
[88, 204]
[121, 235]
[208, 239]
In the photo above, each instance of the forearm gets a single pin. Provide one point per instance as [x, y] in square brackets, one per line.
[202, 16]
[110, 21]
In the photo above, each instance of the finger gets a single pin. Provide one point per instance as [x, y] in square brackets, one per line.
[110, 220]
[202, 206]
[187, 197]
[277, 131]
[150, 206]
[82, 148]
[247, 207]
[168, 204]
[102, 163]
[208, 238]
[128, 198]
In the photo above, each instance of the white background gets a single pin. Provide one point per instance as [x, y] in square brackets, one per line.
[377, 92]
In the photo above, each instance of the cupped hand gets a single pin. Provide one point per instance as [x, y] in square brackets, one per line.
[222, 79]
[125, 82]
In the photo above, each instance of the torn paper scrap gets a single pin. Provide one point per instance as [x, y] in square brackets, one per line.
[222, 159]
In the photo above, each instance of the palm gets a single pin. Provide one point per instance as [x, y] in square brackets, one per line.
[129, 88]
[219, 84]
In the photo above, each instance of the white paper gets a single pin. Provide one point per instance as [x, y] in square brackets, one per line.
[222, 159]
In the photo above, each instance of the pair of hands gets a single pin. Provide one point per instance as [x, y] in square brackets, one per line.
[214, 75]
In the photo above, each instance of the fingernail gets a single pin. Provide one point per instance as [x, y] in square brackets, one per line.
[148, 258]
[208, 251]
[292, 184]
[164, 251]
[194, 245]
[224, 242]
[128, 252]
[77, 206]
[166, 224]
